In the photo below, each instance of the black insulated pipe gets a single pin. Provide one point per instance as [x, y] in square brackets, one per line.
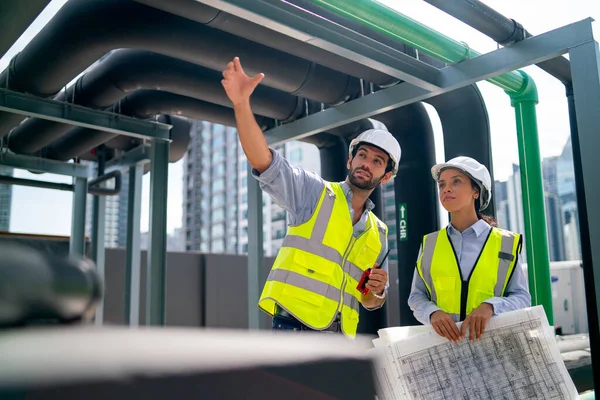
[143, 104]
[501, 29]
[79, 34]
[125, 71]
[218, 19]
[412, 127]
[15, 17]
[466, 127]
[180, 139]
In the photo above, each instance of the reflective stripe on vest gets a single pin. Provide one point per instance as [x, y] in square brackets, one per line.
[329, 291]
[506, 259]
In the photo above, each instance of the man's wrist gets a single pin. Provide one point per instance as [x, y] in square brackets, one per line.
[490, 306]
[241, 104]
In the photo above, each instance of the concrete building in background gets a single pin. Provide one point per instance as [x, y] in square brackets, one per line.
[562, 218]
[554, 217]
[500, 195]
[568, 201]
[215, 217]
[5, 200]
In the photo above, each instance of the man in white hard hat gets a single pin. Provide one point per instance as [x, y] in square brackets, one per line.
[333, 236]
[470, 270]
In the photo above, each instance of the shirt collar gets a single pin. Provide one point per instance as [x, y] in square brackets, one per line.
[369, 205]
[478, 228]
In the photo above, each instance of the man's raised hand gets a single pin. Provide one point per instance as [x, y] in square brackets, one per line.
[237, 84]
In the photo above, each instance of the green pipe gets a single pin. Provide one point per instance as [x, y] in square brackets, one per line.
[400, 27]
[532, 189]
[524, 97]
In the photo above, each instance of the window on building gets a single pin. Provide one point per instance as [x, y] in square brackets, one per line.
[218, 215]
[218, 156]
[232, 134]
[218, 129]
[218, 140]
[219, 170]
[218, 185]
[295, 155]
[205, 133]
[217, 230]
[218, 200]
[218, 246]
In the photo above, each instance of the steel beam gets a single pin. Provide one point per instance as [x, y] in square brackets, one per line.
[72, 114]
[11, 180]
[255, 250]
[98, 246]
[138, 155]
[292, 21]
[585, 69]
[99, 235]
[44, 165]
[533, 50]
[133, 254]
[157, 244]
[77, 240]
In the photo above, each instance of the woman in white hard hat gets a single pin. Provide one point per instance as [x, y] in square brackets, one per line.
[333, 236]
[470, 270]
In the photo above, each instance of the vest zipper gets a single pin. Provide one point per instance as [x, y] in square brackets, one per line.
[344, 280]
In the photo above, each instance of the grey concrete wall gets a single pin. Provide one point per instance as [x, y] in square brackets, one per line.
[202, 289]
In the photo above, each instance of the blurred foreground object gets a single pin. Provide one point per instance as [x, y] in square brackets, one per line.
[120, 363]
[41, 287]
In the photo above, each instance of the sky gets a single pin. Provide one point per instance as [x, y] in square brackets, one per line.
[49, 212]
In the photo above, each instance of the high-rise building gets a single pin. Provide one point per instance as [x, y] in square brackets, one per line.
[501, 201]
[568, 200]
[215, 219]
[554, 217]
[5, 200]
[211, 189]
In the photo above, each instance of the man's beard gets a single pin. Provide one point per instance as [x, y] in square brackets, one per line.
[363, 184]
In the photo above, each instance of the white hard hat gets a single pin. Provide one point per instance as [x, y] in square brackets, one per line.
[382, 139]
[477, 171]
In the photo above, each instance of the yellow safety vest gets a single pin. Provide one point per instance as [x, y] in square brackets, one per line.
[315, 274]
[458, 295]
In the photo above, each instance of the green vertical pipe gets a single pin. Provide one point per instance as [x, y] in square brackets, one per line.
[400, 27]
[532, 188]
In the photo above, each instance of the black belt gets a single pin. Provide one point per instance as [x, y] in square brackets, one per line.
[335, 326]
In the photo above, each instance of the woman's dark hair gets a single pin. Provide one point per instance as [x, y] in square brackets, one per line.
[487, 218]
